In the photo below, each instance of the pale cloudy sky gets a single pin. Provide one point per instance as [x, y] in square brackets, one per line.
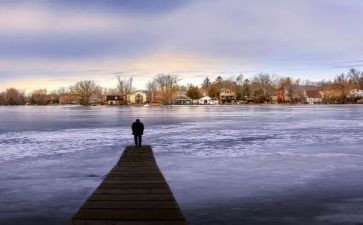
[53, 43]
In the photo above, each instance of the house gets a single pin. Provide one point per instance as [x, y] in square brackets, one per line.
[356, 96]
[313, 96]
[226, 96]
[204, 100]
[114, 100]
[182, 100]
[137, 98]
[356, 93]
[214, 101]
[280, 96]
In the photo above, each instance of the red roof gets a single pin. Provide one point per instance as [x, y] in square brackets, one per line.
[313, 94]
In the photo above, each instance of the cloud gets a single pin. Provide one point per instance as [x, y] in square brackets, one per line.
[51, 73]
[72, 38]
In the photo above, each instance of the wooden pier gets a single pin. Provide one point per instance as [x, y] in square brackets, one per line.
[133, 193]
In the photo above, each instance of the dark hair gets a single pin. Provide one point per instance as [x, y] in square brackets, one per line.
[137, 120]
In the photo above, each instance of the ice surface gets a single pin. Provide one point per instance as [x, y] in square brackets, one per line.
[225, 164]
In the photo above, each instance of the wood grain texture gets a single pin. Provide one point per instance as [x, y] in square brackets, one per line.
[134, 192]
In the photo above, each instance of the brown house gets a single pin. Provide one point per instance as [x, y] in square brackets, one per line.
[182, 99]
[114, 99]
[226, 96]
[313, 96]
[280, 96]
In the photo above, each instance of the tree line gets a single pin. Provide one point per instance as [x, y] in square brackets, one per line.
[164, 88]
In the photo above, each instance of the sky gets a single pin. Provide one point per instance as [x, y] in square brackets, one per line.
[55, 43]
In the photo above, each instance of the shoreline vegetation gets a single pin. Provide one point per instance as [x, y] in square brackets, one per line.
[164, 89]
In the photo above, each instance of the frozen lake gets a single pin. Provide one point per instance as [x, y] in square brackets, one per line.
[225, 164]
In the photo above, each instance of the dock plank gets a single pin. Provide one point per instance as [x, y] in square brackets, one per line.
[133, 192]
[130, 205]
[131, 222]
[130, 214]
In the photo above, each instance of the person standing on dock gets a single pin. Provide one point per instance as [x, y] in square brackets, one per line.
[138, 131]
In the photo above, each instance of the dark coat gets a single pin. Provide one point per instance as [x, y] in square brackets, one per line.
[137, 128]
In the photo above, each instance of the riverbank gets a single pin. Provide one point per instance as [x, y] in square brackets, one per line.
[208, 105]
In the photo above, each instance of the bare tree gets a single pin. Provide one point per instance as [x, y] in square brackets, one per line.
[2, 98]
[167, 85]
[219, 79]
[39, 97]
[62, 91]
[194, 92]
[53, 97]
[246, 91]
[356, 77]
[13, 96]
[286, 86]
[151, 89]
[124, 87]
[240, 79]
[342, 87]
[85, 90]
[206, 83]
[239, 87]
[262, 83]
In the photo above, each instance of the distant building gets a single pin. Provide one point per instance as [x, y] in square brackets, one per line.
[227, 96]
[280, 96]
[114, 100]
[137, 98]
[183, 100]
[356, 93]
[205, 100]
[214, 101]
[313, 96]
[356, 96]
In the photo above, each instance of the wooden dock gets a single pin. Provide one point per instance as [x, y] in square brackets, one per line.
[133, 193]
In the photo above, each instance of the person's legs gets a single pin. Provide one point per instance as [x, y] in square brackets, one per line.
[135, 139]
[140, 140]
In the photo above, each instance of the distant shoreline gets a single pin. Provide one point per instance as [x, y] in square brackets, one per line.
[206, 105]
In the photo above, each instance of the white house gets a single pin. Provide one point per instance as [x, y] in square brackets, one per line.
[214, 101]
[205, 100]
[356, 93]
